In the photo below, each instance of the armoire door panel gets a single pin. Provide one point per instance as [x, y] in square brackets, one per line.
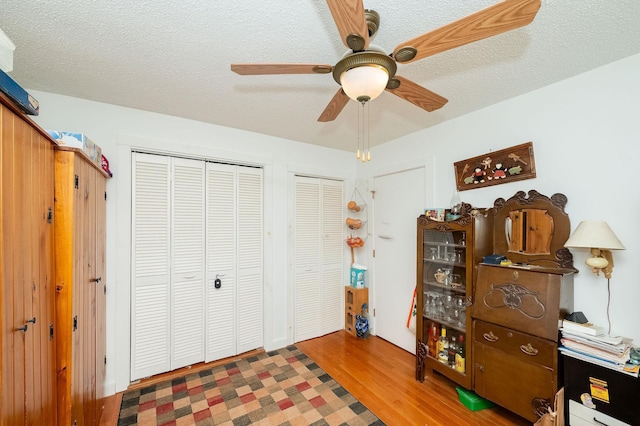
[101, 298]
[11, 364]
[27, 394]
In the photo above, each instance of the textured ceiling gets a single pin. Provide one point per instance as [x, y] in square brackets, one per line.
[173, 57]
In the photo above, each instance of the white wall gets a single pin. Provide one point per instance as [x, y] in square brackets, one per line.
[119, 130]
[585, 135]
[586, 140]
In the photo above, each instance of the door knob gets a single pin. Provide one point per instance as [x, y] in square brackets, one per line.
[32, 321]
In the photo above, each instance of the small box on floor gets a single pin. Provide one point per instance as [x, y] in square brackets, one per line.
[358, 276]
[80, 141]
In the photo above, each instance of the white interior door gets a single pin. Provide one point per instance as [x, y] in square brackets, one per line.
[395, 215]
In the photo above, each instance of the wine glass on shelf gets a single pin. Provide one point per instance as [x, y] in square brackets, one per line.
[433, 255]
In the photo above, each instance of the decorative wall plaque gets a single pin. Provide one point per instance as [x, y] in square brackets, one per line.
[494, 168]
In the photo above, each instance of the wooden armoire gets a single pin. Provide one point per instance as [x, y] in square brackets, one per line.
[52, 278]
[27, 345]
[80, 213]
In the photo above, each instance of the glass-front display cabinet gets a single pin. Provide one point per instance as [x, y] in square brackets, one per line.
[448, 254]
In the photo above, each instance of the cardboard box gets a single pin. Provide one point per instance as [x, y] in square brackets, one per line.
[18, 95]
[78, 140]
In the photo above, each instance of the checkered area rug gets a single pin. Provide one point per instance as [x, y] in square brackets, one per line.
[282, 387]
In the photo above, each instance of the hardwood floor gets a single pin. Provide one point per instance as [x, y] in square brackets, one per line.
[381, 376]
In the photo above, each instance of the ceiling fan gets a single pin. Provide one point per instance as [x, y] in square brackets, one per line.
[366, 71]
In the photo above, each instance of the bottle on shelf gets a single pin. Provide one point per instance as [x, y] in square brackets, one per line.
[443, 347]
[461, 355]
[433, 340]
[451, 351]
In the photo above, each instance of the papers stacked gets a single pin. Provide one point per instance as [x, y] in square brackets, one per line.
[590, 344]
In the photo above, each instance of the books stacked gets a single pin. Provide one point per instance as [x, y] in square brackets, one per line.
[590, 343]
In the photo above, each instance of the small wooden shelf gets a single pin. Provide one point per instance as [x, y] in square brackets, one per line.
[354, 298]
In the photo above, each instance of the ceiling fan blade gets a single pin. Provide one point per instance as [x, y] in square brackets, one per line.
[258, 69]
[350, 19]
[336, 105]
[494, 20]
[418, 95]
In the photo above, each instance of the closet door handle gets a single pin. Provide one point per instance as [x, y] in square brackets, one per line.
[96, 280]
[32, 320]
[23, 328]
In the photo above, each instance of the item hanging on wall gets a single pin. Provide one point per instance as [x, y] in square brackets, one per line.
[503, 166]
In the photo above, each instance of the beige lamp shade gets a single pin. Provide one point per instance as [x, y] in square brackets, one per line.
[597, 236]
[594, 234]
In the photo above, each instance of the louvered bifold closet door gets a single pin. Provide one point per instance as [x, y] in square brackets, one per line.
[234, 260]
[221, 262]
[150, 275]
[333, 244]
[307, 259]
[250, 259]
[318, 257]
[187, 262]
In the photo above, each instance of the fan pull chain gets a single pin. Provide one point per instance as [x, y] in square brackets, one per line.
[368, 135]
[359, 126]
[364, 133]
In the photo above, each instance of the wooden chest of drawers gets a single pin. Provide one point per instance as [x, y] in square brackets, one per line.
[515, 343]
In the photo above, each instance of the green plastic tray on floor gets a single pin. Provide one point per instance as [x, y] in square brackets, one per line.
[472, 401]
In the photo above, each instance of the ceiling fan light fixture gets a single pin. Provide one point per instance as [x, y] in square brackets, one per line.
[364, 83]
[364, 75]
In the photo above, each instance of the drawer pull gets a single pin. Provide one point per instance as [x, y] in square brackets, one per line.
[529, 350]
[490, 337]
[599, 422]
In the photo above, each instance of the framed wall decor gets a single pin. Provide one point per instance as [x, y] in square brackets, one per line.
[494, 168]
